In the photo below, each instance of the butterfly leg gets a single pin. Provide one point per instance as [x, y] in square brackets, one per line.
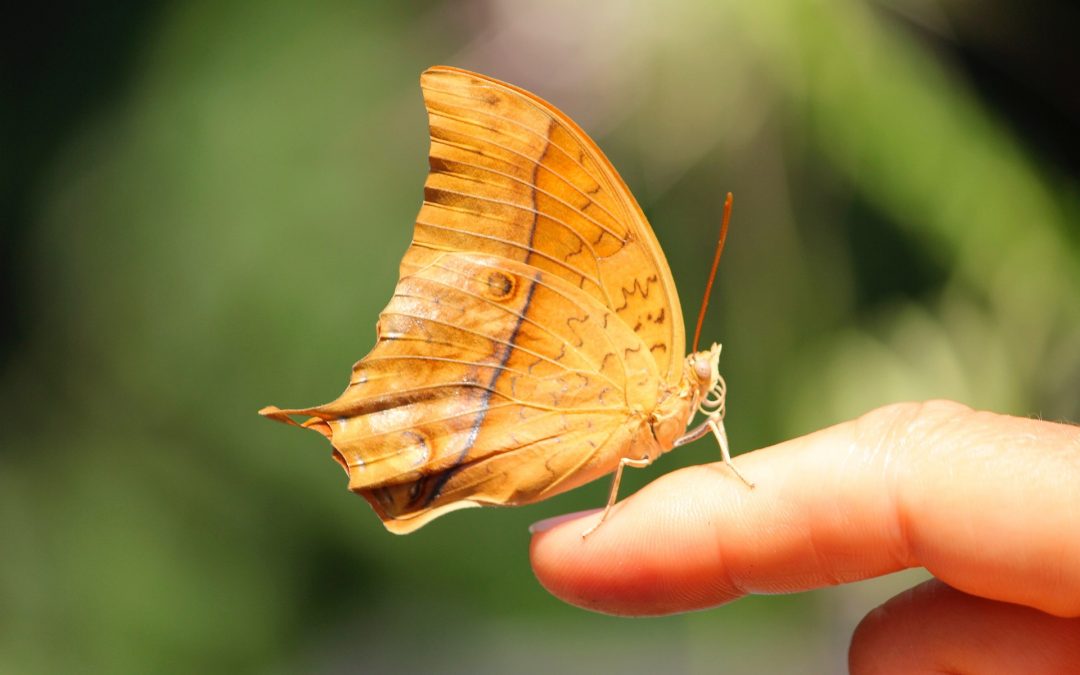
[717, 425]
[700, 431]
[623, 463]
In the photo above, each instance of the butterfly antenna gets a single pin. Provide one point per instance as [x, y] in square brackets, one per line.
[712, 274]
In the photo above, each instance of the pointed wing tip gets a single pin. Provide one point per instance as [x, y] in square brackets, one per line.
[276, 413]
[285, 416]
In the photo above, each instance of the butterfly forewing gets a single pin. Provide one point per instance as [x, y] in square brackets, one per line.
[513, 176]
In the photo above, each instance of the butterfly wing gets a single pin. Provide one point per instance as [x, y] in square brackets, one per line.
[492, 382]
[532, 330]
[513, 176]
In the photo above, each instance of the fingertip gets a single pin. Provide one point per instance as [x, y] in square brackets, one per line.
[700, 537]
[655, 553]
[541, 526]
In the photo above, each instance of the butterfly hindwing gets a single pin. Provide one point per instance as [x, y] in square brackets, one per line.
[483, 362]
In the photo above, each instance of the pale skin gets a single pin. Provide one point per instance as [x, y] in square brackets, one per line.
[988, 503]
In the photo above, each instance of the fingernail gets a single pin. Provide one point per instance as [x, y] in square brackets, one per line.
[548, 523]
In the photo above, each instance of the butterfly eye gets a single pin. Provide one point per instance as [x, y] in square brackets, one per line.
[702, 369]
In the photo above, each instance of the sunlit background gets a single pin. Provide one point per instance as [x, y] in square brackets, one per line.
[205, 204]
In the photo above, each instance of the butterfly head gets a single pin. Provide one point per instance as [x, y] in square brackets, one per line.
[705, 367]
[704, 371]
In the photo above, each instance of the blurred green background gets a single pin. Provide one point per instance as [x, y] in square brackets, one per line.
[204, 208]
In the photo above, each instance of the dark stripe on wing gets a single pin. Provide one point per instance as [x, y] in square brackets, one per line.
[485, 401]
[508, 349]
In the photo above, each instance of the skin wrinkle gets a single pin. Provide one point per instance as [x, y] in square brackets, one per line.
[881, 427]
[870, 454]
[900, 542]
[910, 426]
[936, 420]
[904, 524]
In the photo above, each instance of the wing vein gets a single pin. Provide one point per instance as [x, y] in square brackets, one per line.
[531, 160]
[547, 113]
[539, 281]
[560, 339]
[480, 364]
[474, 213]
[526, 247]
[534, 187]
[533, 210]
[374, 459]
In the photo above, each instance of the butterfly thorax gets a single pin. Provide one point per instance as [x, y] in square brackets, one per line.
[701, 384]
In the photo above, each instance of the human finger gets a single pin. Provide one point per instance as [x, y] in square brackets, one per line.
[988, 503]
[933, 628]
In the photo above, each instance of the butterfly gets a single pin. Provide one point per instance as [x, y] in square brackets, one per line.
[534, 341]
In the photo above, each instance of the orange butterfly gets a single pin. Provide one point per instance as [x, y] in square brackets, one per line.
[534, 342]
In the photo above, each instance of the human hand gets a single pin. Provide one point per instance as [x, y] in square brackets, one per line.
[989, 504]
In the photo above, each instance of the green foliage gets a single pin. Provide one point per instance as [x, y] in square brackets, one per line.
[223, 234]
